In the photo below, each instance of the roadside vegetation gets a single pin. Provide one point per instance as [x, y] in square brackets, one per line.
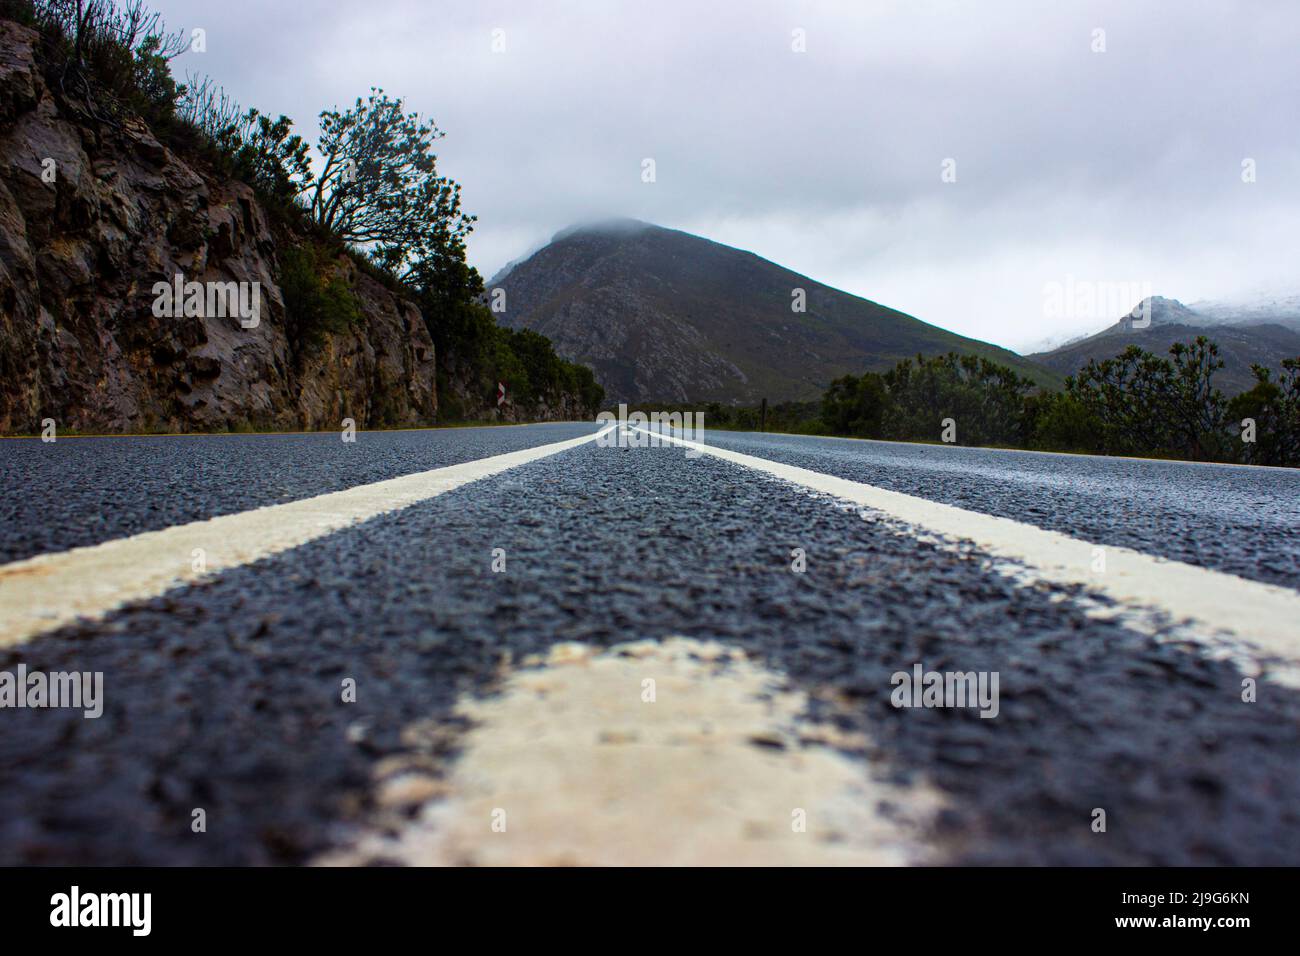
[1136, 403]
[369, 189]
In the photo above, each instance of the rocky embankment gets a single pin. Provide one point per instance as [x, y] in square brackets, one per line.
[93, 216]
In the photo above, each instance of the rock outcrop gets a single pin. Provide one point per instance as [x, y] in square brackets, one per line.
[93, 215]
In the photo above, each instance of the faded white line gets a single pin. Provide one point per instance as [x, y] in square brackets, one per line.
[1262, 615]
[52, 590]
[679, 752]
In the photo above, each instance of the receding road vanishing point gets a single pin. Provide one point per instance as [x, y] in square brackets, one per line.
[579, 644]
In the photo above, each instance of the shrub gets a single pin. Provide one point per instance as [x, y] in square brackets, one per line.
[1146, 405]
[985, 399]
[855, 405]
[1274, 407]
[317, 304]
[108, 61]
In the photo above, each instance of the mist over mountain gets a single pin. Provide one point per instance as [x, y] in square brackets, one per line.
[1253, 334]
[1265, 308]
[663, 315]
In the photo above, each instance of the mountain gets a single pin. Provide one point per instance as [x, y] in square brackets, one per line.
[1245, 337]
[1268, 308]
[663, 315]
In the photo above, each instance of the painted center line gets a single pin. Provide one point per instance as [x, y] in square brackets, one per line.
[50, 591]
[1262, 615]
[676, 753]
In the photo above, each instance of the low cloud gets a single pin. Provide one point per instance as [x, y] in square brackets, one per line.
[1106, 166]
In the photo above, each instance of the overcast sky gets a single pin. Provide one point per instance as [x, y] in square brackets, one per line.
[1122, 166]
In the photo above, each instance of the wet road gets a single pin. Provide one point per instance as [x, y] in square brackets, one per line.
[1244, 521]
[80, 491]
[224, 696]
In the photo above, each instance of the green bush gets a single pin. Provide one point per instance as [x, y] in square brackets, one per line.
[466, 337]
[1273, 405]
[1057, 421]
[855, 405]
[317, 304]
[108, 61]
[1146, 405]
[1133, 404]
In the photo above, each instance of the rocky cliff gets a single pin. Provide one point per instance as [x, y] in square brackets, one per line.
[93, 215]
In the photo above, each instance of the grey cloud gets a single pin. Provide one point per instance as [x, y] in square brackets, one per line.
[1119, 165]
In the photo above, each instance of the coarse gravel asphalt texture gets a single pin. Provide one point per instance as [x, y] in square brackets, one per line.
[81, 491]
[226, 695]
[1240, 520]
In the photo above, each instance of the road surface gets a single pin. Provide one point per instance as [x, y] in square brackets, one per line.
[527, 645]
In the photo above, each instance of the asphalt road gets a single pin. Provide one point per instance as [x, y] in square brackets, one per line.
[80, 491]
[1242, 520]
[225, 695]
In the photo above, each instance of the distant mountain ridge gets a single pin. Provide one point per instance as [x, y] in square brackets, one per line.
[663, 315]
[1272, 309]
[1246, 336]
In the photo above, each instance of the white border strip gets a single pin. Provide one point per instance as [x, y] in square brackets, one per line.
[1261, 614]
[52, 590]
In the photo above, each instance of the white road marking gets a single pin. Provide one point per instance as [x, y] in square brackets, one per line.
[571, 764]
[52, 590]
[1262, 615]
